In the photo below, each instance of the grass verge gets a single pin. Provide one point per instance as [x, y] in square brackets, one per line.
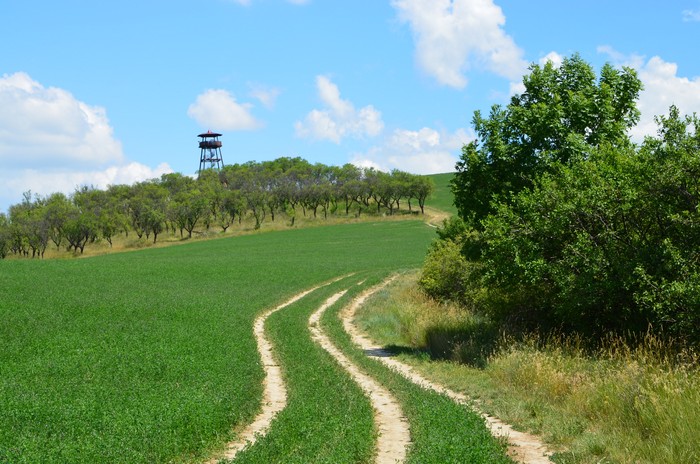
[615, 405]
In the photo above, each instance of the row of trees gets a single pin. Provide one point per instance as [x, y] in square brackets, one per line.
[565, 223]
[179, 204]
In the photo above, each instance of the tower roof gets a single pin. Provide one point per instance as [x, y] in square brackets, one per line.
[209, 134]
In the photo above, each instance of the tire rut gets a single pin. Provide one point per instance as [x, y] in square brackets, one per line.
[394, 436]
[522, 447]
[274, 390]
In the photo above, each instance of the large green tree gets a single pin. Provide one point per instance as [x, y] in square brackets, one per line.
[562, 112]
[607, 243]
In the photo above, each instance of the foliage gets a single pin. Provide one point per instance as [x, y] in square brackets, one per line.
[572, 226]
[4, 236]
[563, 111]
[446, 272]
[177, 202]
[608, 243]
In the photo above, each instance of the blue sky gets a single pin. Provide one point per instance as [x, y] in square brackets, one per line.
[98, 93]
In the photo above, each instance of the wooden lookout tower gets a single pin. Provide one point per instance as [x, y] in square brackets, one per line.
[210, 151]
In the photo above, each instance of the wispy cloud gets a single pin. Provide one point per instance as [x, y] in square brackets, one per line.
[264, 94]
[217, 109]
[338, 118]
[691, 15]
[423, 151]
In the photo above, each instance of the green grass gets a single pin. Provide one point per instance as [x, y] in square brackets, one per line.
[148, 356]
[442, 431]
[442, 197]
[619, 404]
[327, 418]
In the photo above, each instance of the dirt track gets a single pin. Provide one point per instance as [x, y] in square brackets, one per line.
[393, 433]
[274, 391]
[523, 447]
[393, 429]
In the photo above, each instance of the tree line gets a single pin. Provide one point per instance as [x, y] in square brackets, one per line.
[566, 224]
[179, 204]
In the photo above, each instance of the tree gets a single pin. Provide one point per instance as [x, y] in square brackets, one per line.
[78, 228]
[30, 229]
[562, 114]
[188, 207]
[147, 207]
[56, 213]
[349, 185]
[212, 190]
[607, 243]
[421, 188]
[4, 236]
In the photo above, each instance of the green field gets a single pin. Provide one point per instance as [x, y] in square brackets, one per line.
[442, 197]
[148, 356]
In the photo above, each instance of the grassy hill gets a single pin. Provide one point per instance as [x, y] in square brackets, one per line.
[442, 198]
[149, 356]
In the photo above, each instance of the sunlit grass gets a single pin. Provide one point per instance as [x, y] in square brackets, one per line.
[149, 356]
[442, 198]
[442, 431]
[613, 404]
[327, 418]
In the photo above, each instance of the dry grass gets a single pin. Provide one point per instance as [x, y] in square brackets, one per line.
[615, 404]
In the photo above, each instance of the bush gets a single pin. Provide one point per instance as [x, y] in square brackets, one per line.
[445, 272]
[609, 243]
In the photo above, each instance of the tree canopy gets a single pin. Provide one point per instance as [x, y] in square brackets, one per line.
[562, 112]
[565, 223]
[178, 203]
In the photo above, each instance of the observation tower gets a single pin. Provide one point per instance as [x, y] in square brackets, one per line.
[210, 151]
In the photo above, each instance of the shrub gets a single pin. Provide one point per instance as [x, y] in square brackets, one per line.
[611, 242]
[445, 272]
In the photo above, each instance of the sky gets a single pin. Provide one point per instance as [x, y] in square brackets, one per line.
[96, 93]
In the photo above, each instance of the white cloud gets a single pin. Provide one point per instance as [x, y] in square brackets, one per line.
[217, 109]
[453, 36]
[662, 88]
[425, 151]
[555, 58]
[46, 182]
[339, 118]
[691, 15]
[49, 126]
[265, 95]
[52, 142]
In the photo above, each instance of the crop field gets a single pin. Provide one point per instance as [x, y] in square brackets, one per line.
[442, 197]
[148, 356]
